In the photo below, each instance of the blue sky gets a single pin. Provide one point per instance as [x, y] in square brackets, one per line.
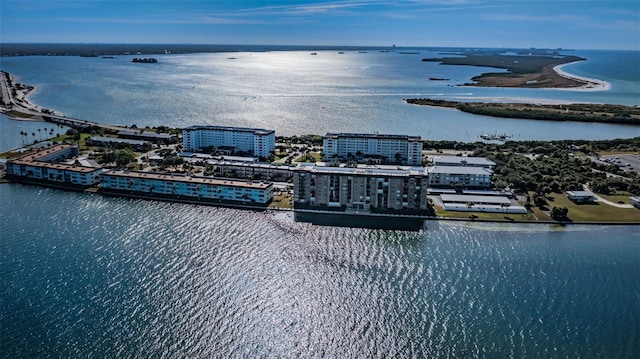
[581, 24]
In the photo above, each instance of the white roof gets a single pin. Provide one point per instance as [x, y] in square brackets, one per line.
[466, 170]
[364, 170]
[475, 199]
[580, 193]
[478, 161]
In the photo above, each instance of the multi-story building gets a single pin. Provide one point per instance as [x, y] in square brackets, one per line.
[463, 161]
[183, 187]
[460, 177]
[42, 168]
[364, 187]
[255, 141]
[253, 170]
[406, 150]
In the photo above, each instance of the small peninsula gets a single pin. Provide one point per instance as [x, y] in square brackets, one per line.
[523, 71]
[580, 112]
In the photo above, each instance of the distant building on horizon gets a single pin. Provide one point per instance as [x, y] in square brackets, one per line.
[379, 148]
[231, 140]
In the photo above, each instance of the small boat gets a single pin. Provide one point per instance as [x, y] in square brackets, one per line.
[314, 53]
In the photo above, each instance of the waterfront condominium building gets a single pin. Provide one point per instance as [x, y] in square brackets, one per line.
[256, 141]
[188, 188]
[44, 168]
[368, 188]
[400, 149]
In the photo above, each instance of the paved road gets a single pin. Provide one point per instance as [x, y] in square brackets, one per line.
[6, 92]
[8, 101]
[613, 204]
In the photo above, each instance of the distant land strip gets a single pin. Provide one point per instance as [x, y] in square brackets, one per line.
[580, 112]
[534, 71]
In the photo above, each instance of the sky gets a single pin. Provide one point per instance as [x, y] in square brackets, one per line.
[569, 24]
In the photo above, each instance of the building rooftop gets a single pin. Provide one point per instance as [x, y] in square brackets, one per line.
[462, 160]
[365, 170]
[148, 134]
[58, 166]
[256, 131]
[460, 198]
[465, 170]
[580, 193]
[372, 136]
[118, 140]
[189, 179]
[34, 160]
[45, 152]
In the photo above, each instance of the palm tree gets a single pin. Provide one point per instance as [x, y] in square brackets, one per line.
[33, 134]
[22, 137]
[39, 135]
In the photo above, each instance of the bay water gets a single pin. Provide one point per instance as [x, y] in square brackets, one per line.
[83, 275]
[293, 92]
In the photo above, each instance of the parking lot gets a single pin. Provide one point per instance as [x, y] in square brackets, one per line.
[625, 161]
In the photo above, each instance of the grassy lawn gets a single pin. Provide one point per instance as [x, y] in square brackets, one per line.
[280, 201]
[595, 212]
[483, 216]
[616, 197]
[305, 157]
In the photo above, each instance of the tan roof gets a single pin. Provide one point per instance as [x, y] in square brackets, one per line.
[34, 161]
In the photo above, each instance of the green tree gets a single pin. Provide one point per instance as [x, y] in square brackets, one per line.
[559, 213]
[124, 156]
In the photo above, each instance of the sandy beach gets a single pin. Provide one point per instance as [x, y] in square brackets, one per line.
[590, 84]
[16, 100]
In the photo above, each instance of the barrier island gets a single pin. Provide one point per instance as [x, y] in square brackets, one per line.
[524, 71]
[581, 112]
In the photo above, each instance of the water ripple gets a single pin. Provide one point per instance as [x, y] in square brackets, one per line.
[131, 278]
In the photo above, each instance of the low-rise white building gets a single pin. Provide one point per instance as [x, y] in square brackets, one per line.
[255, 141]
[581, 196]
[460, 176]
[463, 161]
[150, 184]
[479, 203]
[406, 150]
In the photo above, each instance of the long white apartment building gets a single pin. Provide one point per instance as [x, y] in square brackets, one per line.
[368, 188]
[255, 141]
[400, 149]
[44, 168]
[193, 188]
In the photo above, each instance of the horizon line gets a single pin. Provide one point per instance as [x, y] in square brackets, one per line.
[309, 45]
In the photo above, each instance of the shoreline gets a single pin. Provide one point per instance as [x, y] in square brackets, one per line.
[21, 102]
[294, 211]
[590, 84]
